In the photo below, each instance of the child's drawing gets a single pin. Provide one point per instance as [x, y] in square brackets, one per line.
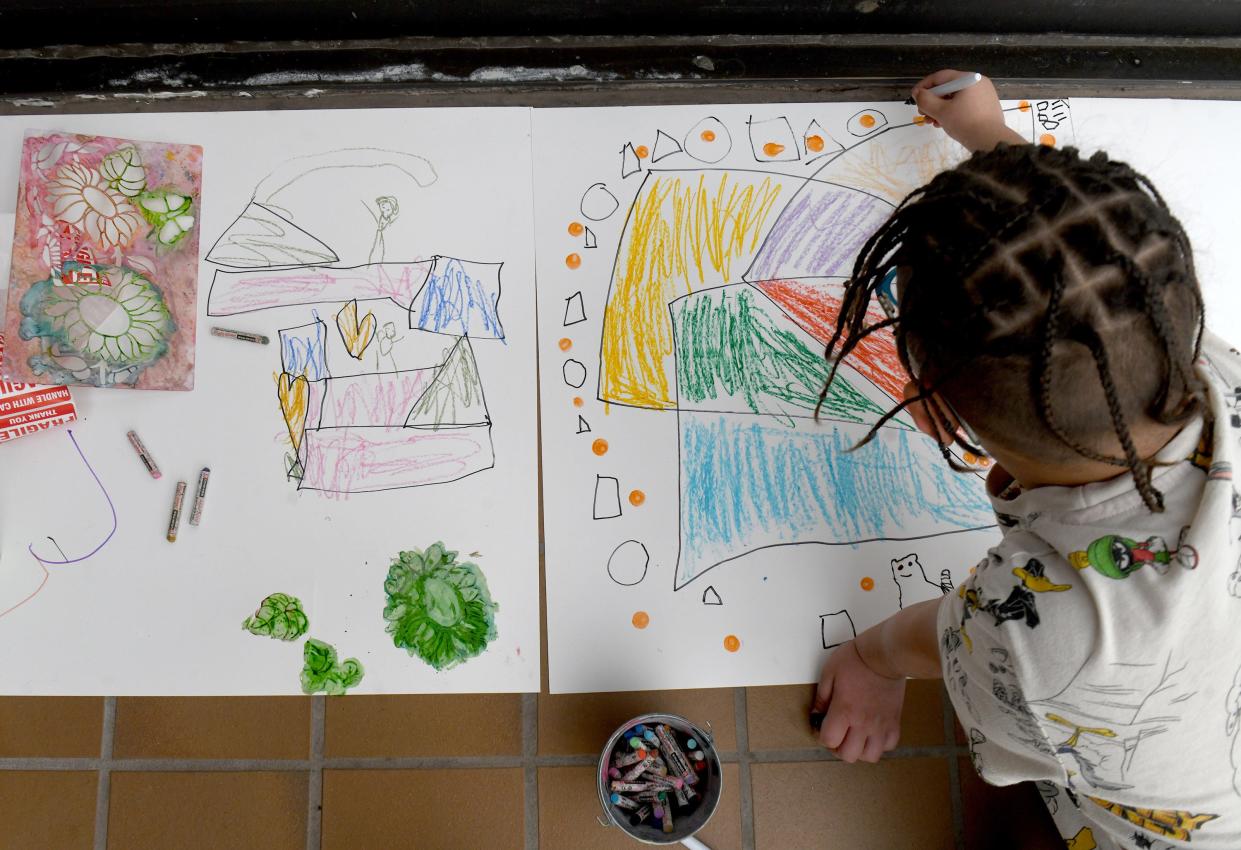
[709, 289]
[104, 280]
[278, 616]
[322, 672]
[354, 428]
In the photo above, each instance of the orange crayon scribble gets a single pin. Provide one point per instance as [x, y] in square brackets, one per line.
[707, 135]
[573, 260]
[565, 343]
[642, 151]
[684, 234]
[636, 498]
[578, 401]
[814, 144]
[1024, 106]
[894, 172]
[599, 447]
[732, 643]
[641, 619]
[576, 228]
[919, 119]
[1047, 139]
[773, 149]
[867, 120]
[867, 583]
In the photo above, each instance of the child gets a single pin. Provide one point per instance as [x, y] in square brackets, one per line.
[1047, 309]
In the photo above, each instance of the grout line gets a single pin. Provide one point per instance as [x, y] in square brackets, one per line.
[744, 757]
[954, 771]
[314, 803]
[103, 780]
[530, 771]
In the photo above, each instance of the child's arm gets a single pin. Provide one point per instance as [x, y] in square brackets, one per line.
[862, 687]
[972, 116]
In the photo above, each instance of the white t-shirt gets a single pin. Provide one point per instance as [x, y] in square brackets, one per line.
[1097, 649]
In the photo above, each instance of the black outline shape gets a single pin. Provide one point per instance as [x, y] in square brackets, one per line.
[630, 164]
[728, 140]
[879, 125]
[335, 258]
[438, 381]
[581, 309]
[794, 148]
[599, 479]
[589, 240]
[660, 135]
[645, 566]
[823, 627]
[592, 187]
[343, 342]
[828, 150]
[1045, 113]
[284, 367]
[430, 271]
[334, 300]
[583, 427]
[710, 589]
[564, 373]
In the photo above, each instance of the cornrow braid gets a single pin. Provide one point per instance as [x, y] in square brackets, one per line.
[1018, 265]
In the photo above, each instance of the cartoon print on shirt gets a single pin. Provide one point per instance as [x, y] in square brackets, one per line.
[1175, 824]
[911, 581]
[1050, 792]
[1082, 754]
[1119, 557]
[1033, 577]
[1083, 840]
[1232, 726]
[1007, 692]
[976, 738]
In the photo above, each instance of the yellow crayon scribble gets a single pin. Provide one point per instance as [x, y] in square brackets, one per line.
[1167, 822]
[294, 395]
[356, 335]
[684, 233]
[876, 168]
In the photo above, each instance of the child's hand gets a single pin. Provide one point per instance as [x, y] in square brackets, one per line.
[863, 709]
[972, 116]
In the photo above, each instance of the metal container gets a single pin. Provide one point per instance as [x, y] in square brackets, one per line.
[712, 784]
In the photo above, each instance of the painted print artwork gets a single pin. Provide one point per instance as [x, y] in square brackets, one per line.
[371, 522]
[104, 280]
[703, 528]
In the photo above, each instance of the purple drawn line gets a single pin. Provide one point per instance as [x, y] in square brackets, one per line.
[111, 507]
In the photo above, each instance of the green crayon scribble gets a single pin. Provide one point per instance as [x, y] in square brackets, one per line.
[438, 609]
[727, 344]
[322, 672]
[279, 616]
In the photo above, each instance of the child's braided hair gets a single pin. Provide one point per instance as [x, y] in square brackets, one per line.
[1051, 299]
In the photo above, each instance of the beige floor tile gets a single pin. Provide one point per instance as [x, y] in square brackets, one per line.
[896, 804]
[779, 718]
[1010, 818]
[423, 809]
[212, 727]
[577, 724]
[569, 806]
[456, 725]
[60, 727]
[54, 809]
[207, 811]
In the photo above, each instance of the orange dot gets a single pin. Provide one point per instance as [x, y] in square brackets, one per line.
[599, 447]
[867, 120]
[636, 497]
[576, 229]
[1024, 106]
[577, 401]
[919, 119]
[1047, 139]
[641, 151]
[566, 344]
[773, 149]
[641, 619]
[814, 143]
[732, 643]
[573, 260]
[868, 583]
[708, 135]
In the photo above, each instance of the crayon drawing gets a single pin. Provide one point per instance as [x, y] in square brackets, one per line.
[709, 287]
[103, 289]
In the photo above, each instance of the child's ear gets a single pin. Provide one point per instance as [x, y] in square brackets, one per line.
[922, 418]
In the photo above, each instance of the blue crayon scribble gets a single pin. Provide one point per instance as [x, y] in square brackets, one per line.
[303, 350]
[459, 298]
[747, 484]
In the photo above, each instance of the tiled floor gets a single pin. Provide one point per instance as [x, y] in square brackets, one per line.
[446, 772]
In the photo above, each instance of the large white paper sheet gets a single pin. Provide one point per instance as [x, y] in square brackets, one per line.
[679, 325]
[425, 430]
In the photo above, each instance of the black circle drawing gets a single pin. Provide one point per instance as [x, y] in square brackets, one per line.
[628, 563]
